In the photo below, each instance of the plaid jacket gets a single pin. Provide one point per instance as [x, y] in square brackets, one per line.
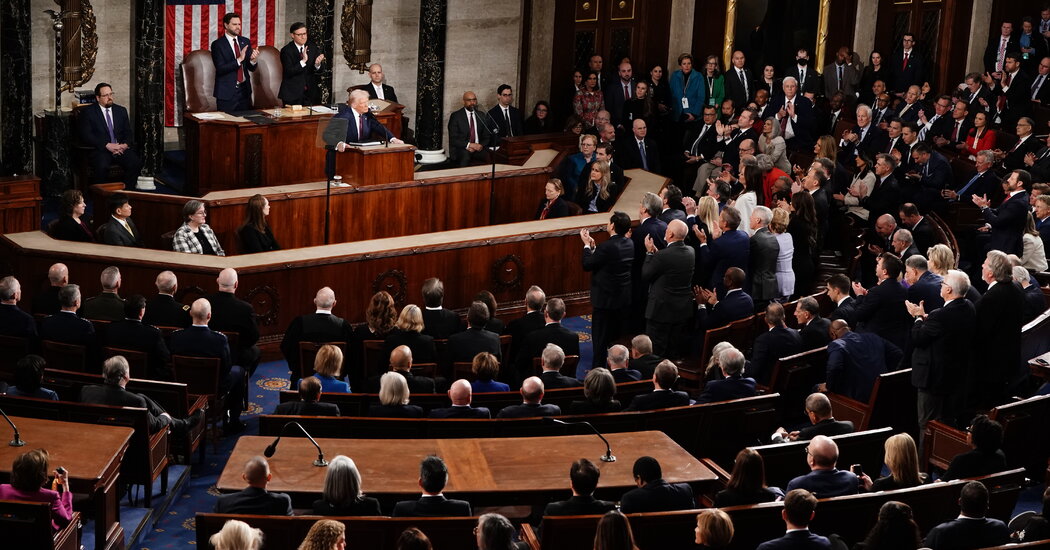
[185, 241]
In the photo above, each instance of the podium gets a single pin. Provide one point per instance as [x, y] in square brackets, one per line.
[376, 164]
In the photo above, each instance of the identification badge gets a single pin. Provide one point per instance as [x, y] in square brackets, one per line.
[685, 102]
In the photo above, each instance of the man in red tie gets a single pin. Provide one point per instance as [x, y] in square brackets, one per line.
[234, 60]
[470, 131]
[907, 66]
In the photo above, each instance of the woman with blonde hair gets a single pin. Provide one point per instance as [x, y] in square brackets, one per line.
[1033, 257]
[785, 274]
[827, 148]
[408, 331]
[553, 204]
[393, 399]
[598, 194]
[255, 234]
[706, 223]
[486, 368]
[599, 390]
[714, 529]
[572, 167]
[325, 534]
[941, 259]
[237, 535]
[902, 460]
[342, 494]
[328, 366]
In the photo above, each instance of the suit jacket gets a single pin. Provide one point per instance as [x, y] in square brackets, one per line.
[307, 408]
[622, 376]
[226, 66]
[107, 306]
[658, 496]
[371, 124]
[516, 122]
[116, 396]
[846, 311]
[553, 380]
[733, 387]
[875, 141]
[826, 483]
[94, 132]
[909, 112]
[882, 311]
[1015, 156]
[658, 399]
[395, 411]
[610, 267]
[927, 289]
[46, 302]
[811, 82]
[1007, 223]
[885, 198]
[769, 347]
[200, 341]
[1000, 312]
[163, 311]
[463, 346]
[416, 384]
[732, 249]
[735, 88]
[459, 131]
[314, 327]
[579, 506]
[850, 80]
[669, 273]
[797, 540]
[941, 347]
[115, 234]
[520, 328]
[991, 53]
[829, 427]
[803, 126]
[299, 85]
[935, 177]
[815, 334]
[432, 506]
[461, 412]
[968, 533]
[734, 306]
[708, 145]
[856, 360]
[614, 100]
[388, 92]
[15, 322]
[423, 348]
[255, 501]
[441, 323]
[731, 149]
[763, 268]
[537, 340]
[67, 328]
[632, 156]
[645, 365]
[135, 335]
[904, 75]
[231, 314]
[529, 410]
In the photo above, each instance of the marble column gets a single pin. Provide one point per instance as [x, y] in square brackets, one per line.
[430, 77]
[16, 113]
[319, 25]
[148, 83]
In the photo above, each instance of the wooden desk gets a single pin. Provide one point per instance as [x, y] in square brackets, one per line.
[1042, 370]
[527, 470]
[19, 203]
[91, 454]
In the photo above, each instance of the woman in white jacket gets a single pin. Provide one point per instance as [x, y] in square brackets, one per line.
[1033, 255]
[860, 188]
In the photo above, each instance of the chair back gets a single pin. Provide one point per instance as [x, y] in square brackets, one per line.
[308, 354]
[372, 360]
[428, 370]
[28, 525]
[12, 348]
[463, 370]
[64, 356]
[198, 82]
[200, 374]
[138, 361]
[266, 79]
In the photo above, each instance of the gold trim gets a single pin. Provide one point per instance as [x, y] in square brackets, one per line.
[822, 33]
[586, 7]
[622, 6]
[355, 26]
[727, 43]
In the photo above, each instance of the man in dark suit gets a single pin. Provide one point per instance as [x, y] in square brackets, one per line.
[700, 145]
[639, 151]
[117, 374]
[815, 183]
[469, 134]
[908, 111]
[234, 60]
[855, 361]
[845, 306]
[376, 88]
[1026, 144]
[997, 355]
[1042, 218]
[650, 225]
[14, 321]
[130, 333]
[460, 394]
[779, 341]
[806, 78]
[739, 82]
[163, 310]
[361, 127]
[669, 273]
[762, 257]
[463, 346]
[731, 249]
[735, 141]
[814, 331]
[923, 284]
[438, 321]
[672, 207]
[618, 92]
[799, 509]
[642, 358]
[610, 267]
[1006, 223]
[1040, 91]
[66, 327]
[520, 328]
[984, 182]
[605, 151]
[907, 65]
[865, 137]
[881, 309]
[551, 333]
[551, 362]
[663, 394]
[940, 123]
[735, 305]
[318, 327]
[199, 340]
[506, 116]
[107, 130]
[902, 244]
[231, 314]
[949, 131]
[999, 47]
[733, 384]
[821, 419]
[309, 403]
[120, 230]
[932, 173]
[974, 92]
[618, 366]
[532, 402]
[300, 62]
[107, 305]
[583, 480]
[255, 499]
[653, 493]
[971, 529]
[942, 340]
[1038, 163]
[824, 480]
[1012, 91]
[795, 115]
[46, 302]
[433, 475]
[841, 75]
[401, 363]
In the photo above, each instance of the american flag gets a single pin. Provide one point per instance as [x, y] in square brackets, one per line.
[193, 25]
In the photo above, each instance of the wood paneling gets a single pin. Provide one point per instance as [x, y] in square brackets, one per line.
[841, 26]
[709, 31]
[944, 44]
[19, 203]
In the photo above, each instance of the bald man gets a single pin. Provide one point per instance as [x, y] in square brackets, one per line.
[376, 88]
[856, 359]
[401, 363]
[824, 480]
[163, 310]
[255, 499]
[46, 302]
[532, 406]
[231, 314]
[469, 133]
[318, 327]
[460, 394]
[669, 274]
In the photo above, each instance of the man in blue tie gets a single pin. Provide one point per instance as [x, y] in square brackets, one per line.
[983, 182]
[107, 130]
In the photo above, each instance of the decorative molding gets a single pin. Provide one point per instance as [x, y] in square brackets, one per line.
[508, 272]
[727, 42]
[266, 304]
[253, 160]
[16, 112]
[355, 26]
[80, 23]
[319, 20]
[822, 32]
[430, 75]
[394, 282]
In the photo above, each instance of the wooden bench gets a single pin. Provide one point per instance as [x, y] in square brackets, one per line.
[28, 525]
[374, 533]
[892, 403]
[785, 461]
[794, 377]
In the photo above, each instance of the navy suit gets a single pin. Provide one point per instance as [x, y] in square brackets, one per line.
[134, 335]
[307, 408]
[529, 410]
[537, 340]
[769, 347]
[553, 380]
[632, 155]
[67, 328]
[732, 387]
[515, 123]
[734, 306]
[461, 412]
[1007, 223]
[610, 266]
[231, 96]
[614, 100]
[463, 346]
[804, 121]
[826, 483]
[847, 311]
[658, 496]
[856, 360]
[815, 334]
[732, 249]
[231, 314]
[797, 540]
[15, 322]
[927, 289]
[354, 134]
[968, 533]
[202, 341]
[622, 376]
[254, 500]
[95, 133]
[432, 506]
[935, 175]
[658, 399]
[882, 311]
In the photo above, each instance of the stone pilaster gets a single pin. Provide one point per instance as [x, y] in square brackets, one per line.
[319, 25]
[148, 83]
[430, 76]
[16, 113]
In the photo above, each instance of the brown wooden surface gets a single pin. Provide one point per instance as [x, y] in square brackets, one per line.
[91, 454]
[1042, 370]
[19, 203]
[376, 165]
[499, 468]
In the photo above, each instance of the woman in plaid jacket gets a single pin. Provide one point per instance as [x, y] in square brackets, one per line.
[195, 237]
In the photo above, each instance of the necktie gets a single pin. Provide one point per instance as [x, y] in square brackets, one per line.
[999, 56]
[968, 184]
[1000, 104]
[645, 160]
[904, 65]
[840, 77]
[626, 92]
[127, 227]
[696, 144]
[784, 121]
[801, 77]
[109, 126]
[473, 129]
[506, 115]
[1016, 145]
[360, 127]
[743, 80]
[546, 210]
[889, 147]
[1043, 25]
[955, 132]
[1035, 86]
[240, 68]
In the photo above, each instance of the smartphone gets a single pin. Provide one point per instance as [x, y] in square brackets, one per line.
[857, 469]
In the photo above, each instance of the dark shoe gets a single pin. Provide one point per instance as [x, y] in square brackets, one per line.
[195, 419]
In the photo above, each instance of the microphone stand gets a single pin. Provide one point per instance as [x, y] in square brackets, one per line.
[492, 156]
[17, 441]
[608, 457]
[272, 448]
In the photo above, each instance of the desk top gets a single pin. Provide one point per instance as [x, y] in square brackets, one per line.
[489, 465]
[87, 451]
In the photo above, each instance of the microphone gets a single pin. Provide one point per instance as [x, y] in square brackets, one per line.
[608, 448]
[17, 441]
[371, 115]
[491, 125]
[272, 448]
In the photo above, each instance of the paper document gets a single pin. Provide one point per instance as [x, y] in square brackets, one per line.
[321, 109]
[210, 116]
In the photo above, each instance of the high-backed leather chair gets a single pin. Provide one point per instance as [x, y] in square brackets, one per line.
[198, 82]
[266, 78]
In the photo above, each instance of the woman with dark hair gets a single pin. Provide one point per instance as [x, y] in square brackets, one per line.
[573, 124]
[714, 82]
[342, 494]
[895, 530]
[380, 318]
[195, 236]
[986, 436]
[408, 331]
[599, 391]
[614, 533]
[876, 70]
[861, 187]
[29, 373]
[494, 532]
[599, 193]
[486, 368]
[70, 225]
[29, 473]
[552, 205]
[640, 106]
[659, 90]
[413, 539]
[540, 122]
[254, 233]
[494, 324]
[769, 82]
[589, 100]
[980, 138]
[803, 231]
[747, 483]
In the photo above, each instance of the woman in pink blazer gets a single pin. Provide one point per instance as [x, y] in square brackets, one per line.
[28, 476]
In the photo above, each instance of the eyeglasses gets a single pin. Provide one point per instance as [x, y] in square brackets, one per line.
[807, 450]
[303, 33]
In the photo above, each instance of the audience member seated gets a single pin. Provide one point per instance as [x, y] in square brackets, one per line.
[68, 328]
[855, 361]
[380, 318]
[552, 360]
[163, 310]
[464, 345]
[747, 482]
[583, 480]
[117, 374]
[70, 225]
[1035, 527]
[653, 493]
[255, 499]
[195, 236]
[46, 302]
[818, 409]
[532, 405]
[342, 494]
[971, 529]
[408, 332]
[433, 475]
[663, 394]
[799, 509]
[642, 358]
[237, 535]
[552, 333]
[401, 363]
[107, 306]
[494, 324]
[824, 479]
[777, 342]
[309, 403]
[486, 368]
[132, 334]
[325, 534]
[320, 327]
[393, 399]
[120, 230]
[733, 384]
[520, 328]
[14, 321]
[814, 329]
[599, 389]
[29, 375]
[496, 532]
[895, 529]
[413, 539]
[255, 234]
[1034, 302]
[231, 314]
[460, 394]
[540, 120]
[29, 473]
[986, 436]
[902, 460]
[618, 366]
[328, 369]
[614, 532]
[439, 323]
[734, 306]
[714, 529]
[553, 204]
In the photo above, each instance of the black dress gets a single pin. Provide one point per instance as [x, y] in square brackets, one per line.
[802, 260]
[535, 125]
[253, 241]
[68, 229]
